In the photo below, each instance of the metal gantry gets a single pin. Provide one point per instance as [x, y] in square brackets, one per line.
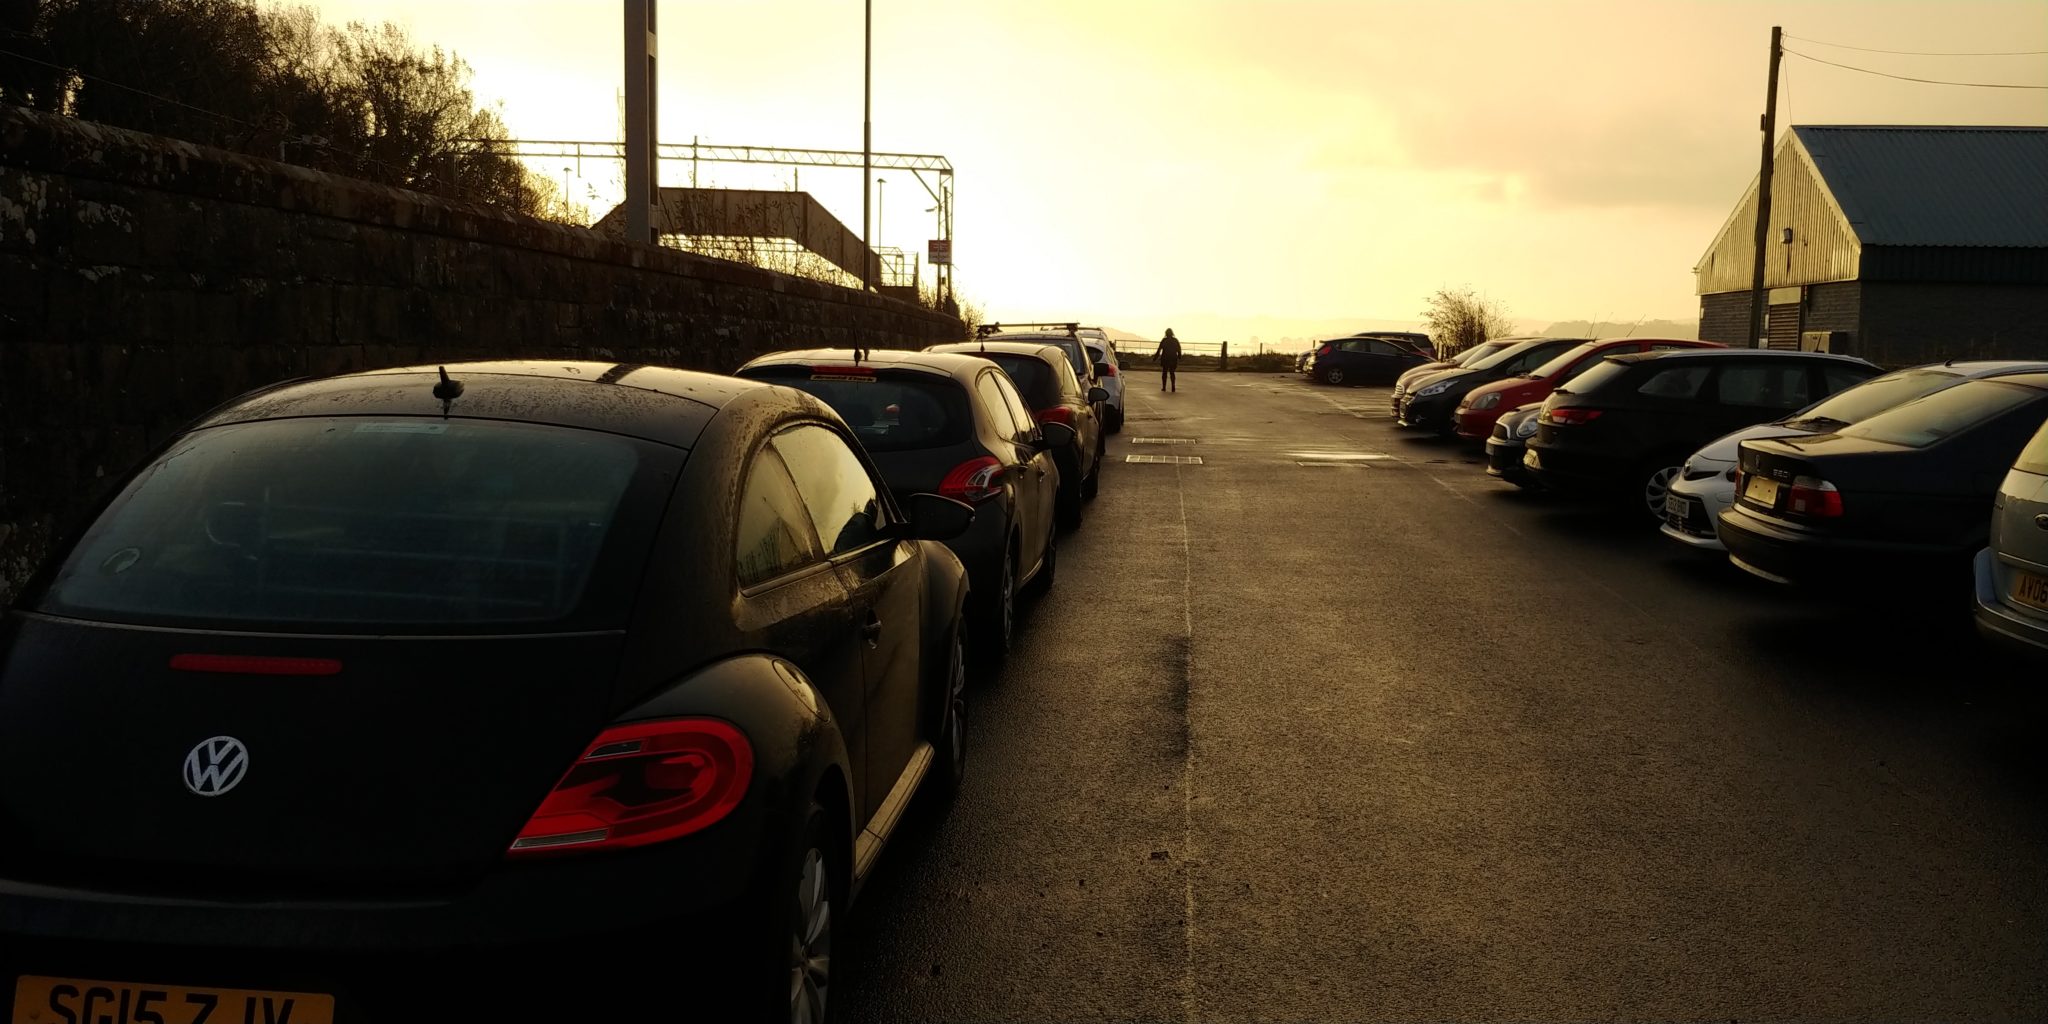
[939, 186]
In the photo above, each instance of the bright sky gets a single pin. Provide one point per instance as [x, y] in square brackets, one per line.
[1242, 168]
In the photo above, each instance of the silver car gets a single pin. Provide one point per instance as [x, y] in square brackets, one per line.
[2012, 574]
[1705, 487]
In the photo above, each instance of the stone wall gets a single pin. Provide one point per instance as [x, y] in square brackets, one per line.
[144, 280]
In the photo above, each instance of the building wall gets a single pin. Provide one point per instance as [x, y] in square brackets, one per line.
[1724, 317]
[144, 280]
[1906, 323]
[1822, 248]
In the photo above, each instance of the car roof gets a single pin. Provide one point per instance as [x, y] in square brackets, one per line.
[2037, 379]
[1726, 353]
[657, 403]
[1016, 348]
[946, 364]
[1977, 368]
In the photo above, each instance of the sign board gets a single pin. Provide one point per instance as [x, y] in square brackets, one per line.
[939, 252]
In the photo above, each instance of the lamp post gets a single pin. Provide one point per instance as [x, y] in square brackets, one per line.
[880, 184]
[867, 136]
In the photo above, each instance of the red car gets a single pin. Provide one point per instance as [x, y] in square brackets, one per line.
[1487, 402]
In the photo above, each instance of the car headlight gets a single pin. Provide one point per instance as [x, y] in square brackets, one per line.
[1527, 428]
[1487, 401]
[1433, 389]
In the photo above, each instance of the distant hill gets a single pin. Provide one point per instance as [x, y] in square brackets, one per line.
[1604, 329]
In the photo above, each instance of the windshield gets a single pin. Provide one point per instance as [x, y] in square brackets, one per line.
[891, 412]
[1875, 396]
[1480, 351]
[1565, 360]
[350, 522]
[1933, 418]
[1508, 353]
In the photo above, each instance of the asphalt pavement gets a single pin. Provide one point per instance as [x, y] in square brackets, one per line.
[1332, 726]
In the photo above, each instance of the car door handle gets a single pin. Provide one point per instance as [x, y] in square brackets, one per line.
[871, 630]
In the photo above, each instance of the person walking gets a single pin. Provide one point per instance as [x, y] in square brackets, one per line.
[1168, 354]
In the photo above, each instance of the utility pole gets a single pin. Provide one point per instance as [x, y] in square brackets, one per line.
[1757, 295]
[641, 159]
[867, 141]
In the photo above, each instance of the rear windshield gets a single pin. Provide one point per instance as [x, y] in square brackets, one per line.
[1602, 372]
[1032, 376]
[1855, 404]
[1945, 413]
[892, 412]
[351, 524]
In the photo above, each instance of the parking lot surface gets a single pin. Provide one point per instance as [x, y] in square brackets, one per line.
[1332, 726]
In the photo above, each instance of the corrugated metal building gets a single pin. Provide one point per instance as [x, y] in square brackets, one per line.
[1900, 244]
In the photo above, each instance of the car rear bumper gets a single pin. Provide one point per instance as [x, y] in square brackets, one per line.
[1998, 619]
[1574, 471]
[1796, 557]
[1504, 460]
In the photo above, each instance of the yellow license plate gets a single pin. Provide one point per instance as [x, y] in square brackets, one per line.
[39, 1000]
[2029, 589]
[1762, 490]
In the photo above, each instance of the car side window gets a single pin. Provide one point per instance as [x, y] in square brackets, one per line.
[998, 408]
[774, 530]
[1528, 361]
[1779, 385]
[1382, 348]
[1675, 382]
[1027, 421]
[835, 487]
[1841, 378]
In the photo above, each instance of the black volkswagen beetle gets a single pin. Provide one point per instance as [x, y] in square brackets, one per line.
[371, 697]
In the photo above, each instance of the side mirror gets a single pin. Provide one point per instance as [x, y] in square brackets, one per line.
[1097, 395]
[937, 517]
[1102, 369]
[1054, 435]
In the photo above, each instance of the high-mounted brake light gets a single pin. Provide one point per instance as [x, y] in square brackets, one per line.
[1056, 414]
[1570, 416]
[974, 481]
[647, 782]
[843, 371]
[238, 664]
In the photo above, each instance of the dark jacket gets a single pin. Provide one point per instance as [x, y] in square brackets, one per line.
[1168, 353]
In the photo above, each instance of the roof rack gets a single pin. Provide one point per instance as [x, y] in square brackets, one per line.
[1073, 329]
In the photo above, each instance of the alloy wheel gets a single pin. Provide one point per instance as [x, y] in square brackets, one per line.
[1656, 488]
[1334, 376]
[1006, 608]
[956, 709]
[810, 944]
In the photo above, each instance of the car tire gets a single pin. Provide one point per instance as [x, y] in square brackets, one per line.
[998, 626]
[949, 739]
[1116, 420]
[1048, 567]
[1068, 507]
[1091, 485]
[1651, 482]
[1331, 375]
[777, 962]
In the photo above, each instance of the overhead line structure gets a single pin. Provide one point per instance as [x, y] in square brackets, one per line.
[918, 164]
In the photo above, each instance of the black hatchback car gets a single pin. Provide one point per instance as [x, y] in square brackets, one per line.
[1625, 426]
[1055, 395]
[1363, 361]
[1431, 403]
[368, 693]
[1904, 497]
[952, 425]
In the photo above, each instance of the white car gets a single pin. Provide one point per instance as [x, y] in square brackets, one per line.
[1109, 373]
[1705, 487]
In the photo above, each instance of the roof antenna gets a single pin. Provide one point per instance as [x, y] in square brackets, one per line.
[447, 391]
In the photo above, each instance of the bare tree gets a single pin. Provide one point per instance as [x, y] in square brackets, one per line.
[1459, 319]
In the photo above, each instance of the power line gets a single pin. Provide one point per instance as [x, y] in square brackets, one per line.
[1926, 53]
[1909, 78]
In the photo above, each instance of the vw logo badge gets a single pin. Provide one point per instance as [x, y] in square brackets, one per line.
[216, 766]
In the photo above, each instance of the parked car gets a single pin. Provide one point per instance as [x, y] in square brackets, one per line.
[1510, 439]
[1067, 338]
[1413, 341]
[1431, 402]
[1625, 426]
[564, 666]
[1705, 487]
[952, 425]
[1054, 397]
[1109, 373]
[1483, 404]
[2012, 571]
[1361, 361]
[1465, 358]
[1900, 499]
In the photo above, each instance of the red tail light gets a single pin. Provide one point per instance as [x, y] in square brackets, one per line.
[1108, 370]
[1056, 414]
[973, 481]
[1326, 350]
[1813, 497]
[1570, 416]
[238, 664]
[642, 783]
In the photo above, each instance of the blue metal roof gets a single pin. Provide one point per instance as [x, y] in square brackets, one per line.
[1930, 185]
